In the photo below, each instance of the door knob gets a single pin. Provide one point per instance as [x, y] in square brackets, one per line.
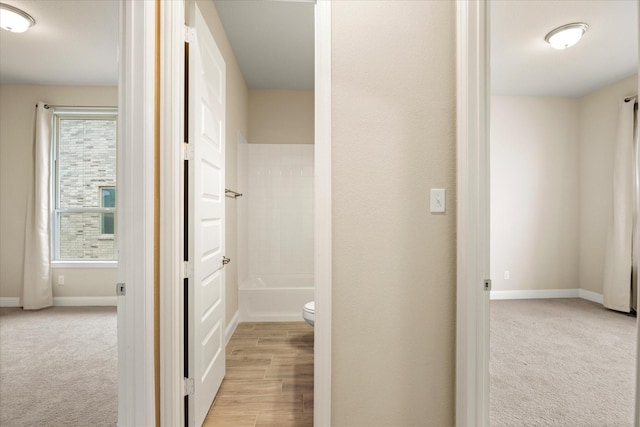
[225, 260]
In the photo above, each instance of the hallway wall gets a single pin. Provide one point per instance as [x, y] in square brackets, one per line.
[394, 263]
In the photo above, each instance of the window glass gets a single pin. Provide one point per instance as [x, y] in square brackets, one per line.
[108, 200]
[85, 185]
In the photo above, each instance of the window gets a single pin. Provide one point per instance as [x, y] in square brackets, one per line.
[107, 200]
[84, 189]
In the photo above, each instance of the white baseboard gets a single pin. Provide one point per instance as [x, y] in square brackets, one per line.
[85, 301]
[67, 302]
[548, 293]
[10, 302]
[535, 294]
[231, 327]
[591, 296]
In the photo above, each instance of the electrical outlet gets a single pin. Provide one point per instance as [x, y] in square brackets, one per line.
[60, 279]
[507, 275]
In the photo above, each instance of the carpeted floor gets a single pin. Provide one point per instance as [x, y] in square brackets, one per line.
[561, 362]
[58, 367]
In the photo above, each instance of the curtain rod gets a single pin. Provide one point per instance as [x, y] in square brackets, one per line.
[47, 106]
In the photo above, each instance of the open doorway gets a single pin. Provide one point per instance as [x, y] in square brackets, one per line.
[270, 226]
[237, 99]
[72, 68]
[554, 118]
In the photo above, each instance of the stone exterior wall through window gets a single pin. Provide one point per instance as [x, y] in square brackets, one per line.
[86, 164]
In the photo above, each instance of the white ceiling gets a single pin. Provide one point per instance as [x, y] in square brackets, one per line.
[522, 63]
[75, 42]
[273, 41]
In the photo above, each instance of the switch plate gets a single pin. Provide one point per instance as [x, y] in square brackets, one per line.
[438, 201]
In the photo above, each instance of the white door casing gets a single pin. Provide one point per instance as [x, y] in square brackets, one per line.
[136, 386]
[172, 36]
[206, 306]
[472, 305]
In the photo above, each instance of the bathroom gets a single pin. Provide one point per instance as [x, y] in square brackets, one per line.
[275, 213]
[273, 167]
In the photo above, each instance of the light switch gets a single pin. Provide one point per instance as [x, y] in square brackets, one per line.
[438, 201]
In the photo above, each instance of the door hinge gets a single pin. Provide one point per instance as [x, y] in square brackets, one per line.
[187, 269]
[189, 386]
[188, 32]
[121, 289]
[487, 284]
[187, 151]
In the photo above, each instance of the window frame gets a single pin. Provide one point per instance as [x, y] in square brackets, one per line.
[78, 113]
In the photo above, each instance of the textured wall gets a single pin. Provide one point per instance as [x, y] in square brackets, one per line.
[17, 121]
[394, 263]
[281, 117]
[535, 192]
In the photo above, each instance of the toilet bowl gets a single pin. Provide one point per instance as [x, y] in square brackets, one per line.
[309, 312]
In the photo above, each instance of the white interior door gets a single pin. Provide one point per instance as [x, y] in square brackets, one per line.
[206, 356]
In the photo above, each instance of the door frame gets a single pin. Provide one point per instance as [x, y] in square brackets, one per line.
[472, 122]
[473, 118]
[322, 216]
[136, 103]
[172, 78]
[172, 19]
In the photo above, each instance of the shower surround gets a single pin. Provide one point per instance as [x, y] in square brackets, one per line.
[275, 231]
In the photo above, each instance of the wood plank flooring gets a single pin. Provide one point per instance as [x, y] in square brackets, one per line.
[269, 380]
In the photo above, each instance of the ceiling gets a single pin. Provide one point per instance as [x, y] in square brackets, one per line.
[522, 63]
[273, 41]
[75, 42]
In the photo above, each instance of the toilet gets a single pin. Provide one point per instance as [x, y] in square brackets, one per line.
[309, 312]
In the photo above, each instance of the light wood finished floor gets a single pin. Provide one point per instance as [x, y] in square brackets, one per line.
[269, 380]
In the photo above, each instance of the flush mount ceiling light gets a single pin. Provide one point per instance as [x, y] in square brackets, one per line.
[567, 35]
[14, 20]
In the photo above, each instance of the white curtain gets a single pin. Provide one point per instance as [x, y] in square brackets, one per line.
[619, 252]
[36, 291]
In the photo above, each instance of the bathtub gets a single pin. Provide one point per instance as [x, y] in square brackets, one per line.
[274, 299]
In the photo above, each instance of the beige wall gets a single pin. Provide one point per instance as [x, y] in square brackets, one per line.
[598, 127]
[551, 188]
[17, 118]
[534, 192]
[281, 117]
[237, 122]
[394, 263]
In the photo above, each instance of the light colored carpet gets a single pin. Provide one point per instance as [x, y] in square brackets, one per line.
[561, 362]
[58, 367]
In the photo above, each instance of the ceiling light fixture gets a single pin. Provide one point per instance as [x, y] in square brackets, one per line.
[567, 35]
[14, 20]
